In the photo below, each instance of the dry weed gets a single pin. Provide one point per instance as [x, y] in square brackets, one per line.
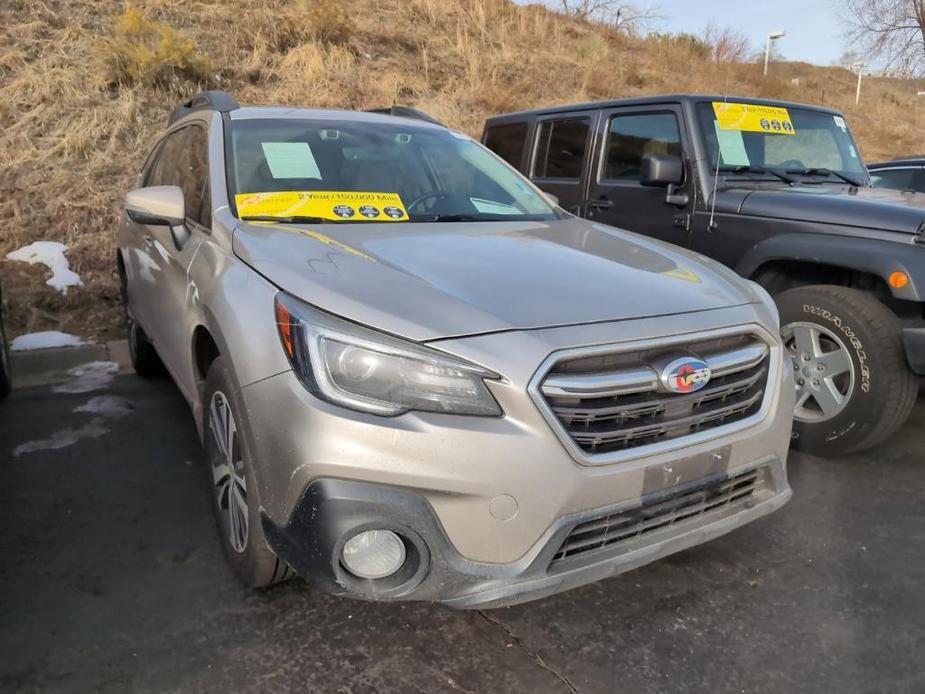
[70, 143]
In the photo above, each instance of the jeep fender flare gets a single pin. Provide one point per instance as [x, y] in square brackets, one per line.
[874, 256]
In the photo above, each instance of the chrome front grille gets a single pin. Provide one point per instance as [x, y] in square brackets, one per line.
[614, 402]
[700, 503]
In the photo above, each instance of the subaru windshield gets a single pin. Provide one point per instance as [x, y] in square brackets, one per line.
[780, 143]
[305, 170]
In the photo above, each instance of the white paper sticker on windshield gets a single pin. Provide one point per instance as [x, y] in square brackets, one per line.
[731, 146]
[290, 160]
[840, 122]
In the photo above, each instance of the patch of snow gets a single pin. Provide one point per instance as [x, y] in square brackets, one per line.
[45, 340]
[50, 254]
[112, 406]
[63, 438]
[93, 376]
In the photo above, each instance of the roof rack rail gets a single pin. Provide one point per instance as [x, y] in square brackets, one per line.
[214, 100]
[406, 112]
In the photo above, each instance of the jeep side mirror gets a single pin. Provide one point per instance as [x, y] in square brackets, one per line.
[664, 171]
[156, 206]
[660, 170]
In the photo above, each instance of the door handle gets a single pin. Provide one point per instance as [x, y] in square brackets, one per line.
[149, 242]
[599, 204]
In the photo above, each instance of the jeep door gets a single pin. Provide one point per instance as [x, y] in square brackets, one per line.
[561, 156]
[616, 195]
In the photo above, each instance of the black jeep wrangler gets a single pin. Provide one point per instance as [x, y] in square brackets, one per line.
[779, 192]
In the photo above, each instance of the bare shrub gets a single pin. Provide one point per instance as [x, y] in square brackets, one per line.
[326, 21]
[145, 51]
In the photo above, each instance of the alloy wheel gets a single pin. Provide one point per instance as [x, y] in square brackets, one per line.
[822, 369]
[229, 484]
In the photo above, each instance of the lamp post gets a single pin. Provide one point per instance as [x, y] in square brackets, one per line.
[860, 68]
[772, 36]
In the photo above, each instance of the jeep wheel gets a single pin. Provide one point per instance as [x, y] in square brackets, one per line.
[233, 485]
[853, 385]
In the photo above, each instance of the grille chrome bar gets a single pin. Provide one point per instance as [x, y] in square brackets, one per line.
[602, 385]
[737, 359]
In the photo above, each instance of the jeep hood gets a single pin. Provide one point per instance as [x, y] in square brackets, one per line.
[870, 208]
[427, 281]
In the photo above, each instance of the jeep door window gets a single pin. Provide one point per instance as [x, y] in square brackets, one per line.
[615, 194]
[507, 141]
[819, 150]
[560, 148]
[437, 175]
[898, 178]
[631, 137]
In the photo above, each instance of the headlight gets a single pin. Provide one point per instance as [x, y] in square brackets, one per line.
[366, 370]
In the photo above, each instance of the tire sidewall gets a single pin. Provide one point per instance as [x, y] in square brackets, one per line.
[254, 566]
[855, 422]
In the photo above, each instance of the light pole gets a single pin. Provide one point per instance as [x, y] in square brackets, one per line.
[772, 36]
[860, 68]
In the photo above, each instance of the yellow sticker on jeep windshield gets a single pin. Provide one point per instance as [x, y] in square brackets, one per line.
[341, 206]
[774, 120]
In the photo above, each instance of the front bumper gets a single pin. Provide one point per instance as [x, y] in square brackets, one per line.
[331, 511]
[488, 496]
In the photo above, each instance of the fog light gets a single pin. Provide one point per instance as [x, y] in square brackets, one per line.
[373, 554]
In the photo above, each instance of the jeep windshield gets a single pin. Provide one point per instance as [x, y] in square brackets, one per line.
[313, 171]
[805, 145]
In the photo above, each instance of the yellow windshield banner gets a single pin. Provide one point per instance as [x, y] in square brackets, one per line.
[326, 204]
[773, 120]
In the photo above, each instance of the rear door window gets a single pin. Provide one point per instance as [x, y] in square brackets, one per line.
[631, 137]
[507, 141]
[560, 149]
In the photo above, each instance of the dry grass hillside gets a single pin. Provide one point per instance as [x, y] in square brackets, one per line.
[85, 87]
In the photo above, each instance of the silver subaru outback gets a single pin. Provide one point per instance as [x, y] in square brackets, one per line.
[416, 377]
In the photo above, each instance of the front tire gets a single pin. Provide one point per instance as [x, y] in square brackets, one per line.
[233, 485]
[854, 387]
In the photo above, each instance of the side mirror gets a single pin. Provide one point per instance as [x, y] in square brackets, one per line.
[661, 170]
[553, 199]
[156, 206]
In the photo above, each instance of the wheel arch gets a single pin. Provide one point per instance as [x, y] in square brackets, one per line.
[797, 259]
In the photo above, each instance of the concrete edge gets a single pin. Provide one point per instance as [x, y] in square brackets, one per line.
[40, 367]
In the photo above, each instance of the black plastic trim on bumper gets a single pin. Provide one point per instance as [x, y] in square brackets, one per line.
[914, 342]
[330, 511]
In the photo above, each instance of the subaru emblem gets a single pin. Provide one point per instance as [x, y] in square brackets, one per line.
[685, 375]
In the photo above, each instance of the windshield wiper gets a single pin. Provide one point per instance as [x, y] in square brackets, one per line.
[294, 219]
[819, 171]
[757, 169]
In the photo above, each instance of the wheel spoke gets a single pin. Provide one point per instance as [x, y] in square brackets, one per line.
[228, 431]
[802, 397]
[806, 339]
[828, 397]
[834, 363]
[217, 424]
[221, 473]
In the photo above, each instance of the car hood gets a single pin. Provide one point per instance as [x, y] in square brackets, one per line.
[871, 208]
[427, 281]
